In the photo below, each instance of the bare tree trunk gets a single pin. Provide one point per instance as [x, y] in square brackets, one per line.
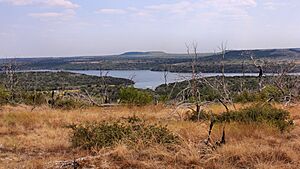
[11, 82]
[104, 84]
[166, 72]
[259, 66]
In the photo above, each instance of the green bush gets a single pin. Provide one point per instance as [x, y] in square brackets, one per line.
[67, 103]
[133, 130]
[31, 98]
[270, 91]
[163, 98]
[245, 97]
[259, 114]
[4, 96]
[267, 92]
[134, 96]
[196, 116]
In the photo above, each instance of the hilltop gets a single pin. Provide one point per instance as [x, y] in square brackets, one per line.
[151, 53]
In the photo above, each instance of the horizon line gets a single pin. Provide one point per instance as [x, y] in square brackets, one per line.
[119, 54]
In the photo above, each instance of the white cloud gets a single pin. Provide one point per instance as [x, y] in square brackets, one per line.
[67, 7]
[229, 4]
[231, 9]
[67, 14]
[234, 9]
[111, 11]
[218, 5]
[18, 2]
[52, 3]
[46, 14]
[62, 3]
[272, 5]
[180, 7]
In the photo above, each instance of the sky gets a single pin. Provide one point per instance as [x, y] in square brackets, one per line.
[35, 28]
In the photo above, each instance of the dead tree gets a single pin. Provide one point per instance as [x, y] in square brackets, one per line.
[259, 64]
[166, 72]
[280, 77]
[35, 92]
[219, 85]
[286, 83]
[225, 98]
[189, 97]
[104, 85]
[11, 80]
[194, 90]
[242, 80]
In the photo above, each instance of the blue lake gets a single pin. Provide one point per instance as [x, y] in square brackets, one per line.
[151, 79]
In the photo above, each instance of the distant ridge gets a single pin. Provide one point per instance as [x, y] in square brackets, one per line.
[143, 53]
[157, 61]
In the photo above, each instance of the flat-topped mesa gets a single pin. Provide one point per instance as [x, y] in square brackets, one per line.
[143, 53]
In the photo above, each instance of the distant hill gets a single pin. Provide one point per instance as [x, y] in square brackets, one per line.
[158, 60]
[272, 54]
[143, 53]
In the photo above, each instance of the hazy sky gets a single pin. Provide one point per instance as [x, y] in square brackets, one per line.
[96, 27]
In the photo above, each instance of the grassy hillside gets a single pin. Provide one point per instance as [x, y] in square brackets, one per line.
[40, 139]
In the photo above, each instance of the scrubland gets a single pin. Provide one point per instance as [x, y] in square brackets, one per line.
[40, 138]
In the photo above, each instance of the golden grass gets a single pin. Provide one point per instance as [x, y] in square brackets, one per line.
[38, 138]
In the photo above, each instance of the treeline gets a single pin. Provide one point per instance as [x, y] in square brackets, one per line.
[45, 81]
[61, 89]
[241, 89]
[75, 90]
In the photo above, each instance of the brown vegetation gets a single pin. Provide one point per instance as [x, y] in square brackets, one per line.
[40, 139]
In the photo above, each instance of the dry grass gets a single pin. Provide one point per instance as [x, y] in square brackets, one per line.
[39, 138]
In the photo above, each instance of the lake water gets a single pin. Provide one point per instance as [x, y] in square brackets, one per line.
[151, 79]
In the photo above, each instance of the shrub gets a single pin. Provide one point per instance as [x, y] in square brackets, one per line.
[259, 114]
[245, 97]
[67, 103]
[30, 98]
[134, 96]
[270, 92]
[163, 98]
[133, 130]
[4, 96]
[267, 92]
[196, 116]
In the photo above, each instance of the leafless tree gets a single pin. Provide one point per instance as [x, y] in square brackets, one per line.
[166, 72]
[11, 79]
[132, 77]
[35, 92]
[225, 98]
[280, 78]
[259, 64]
[189, 97]
[103, 76]
[287, 84]
[220, 86]
[194, 89]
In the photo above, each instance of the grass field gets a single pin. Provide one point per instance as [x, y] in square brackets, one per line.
[40, 139]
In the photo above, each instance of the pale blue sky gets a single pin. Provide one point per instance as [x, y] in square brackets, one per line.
[96, 27]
